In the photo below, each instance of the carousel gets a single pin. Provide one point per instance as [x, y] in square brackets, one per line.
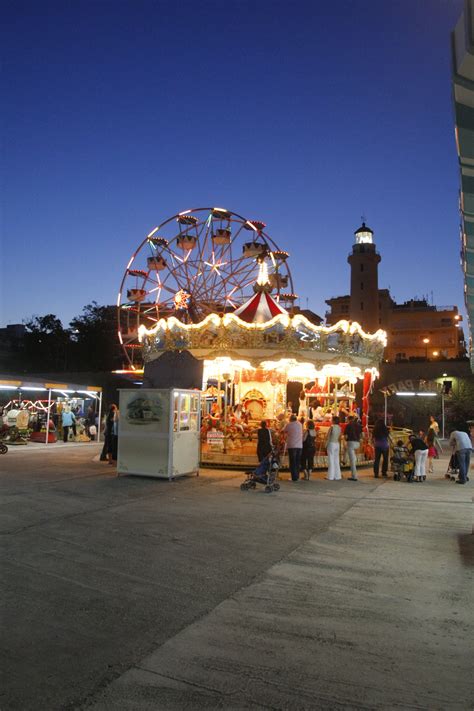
[253, 350]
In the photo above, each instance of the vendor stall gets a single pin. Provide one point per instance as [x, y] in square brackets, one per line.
[31, 409]
[159, 432]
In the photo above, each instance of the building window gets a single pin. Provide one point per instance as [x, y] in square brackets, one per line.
[362, 286]
[361, 305]
[361, 267]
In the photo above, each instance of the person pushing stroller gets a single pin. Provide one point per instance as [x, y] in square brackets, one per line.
[419, 449]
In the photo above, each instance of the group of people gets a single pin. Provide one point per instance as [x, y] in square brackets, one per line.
[316, 412]
[299, 436]
[422, 449]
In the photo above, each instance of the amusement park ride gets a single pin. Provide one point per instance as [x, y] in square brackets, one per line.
[196, 263]
[215, 284]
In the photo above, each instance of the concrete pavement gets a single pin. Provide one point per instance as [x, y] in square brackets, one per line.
[141, 594]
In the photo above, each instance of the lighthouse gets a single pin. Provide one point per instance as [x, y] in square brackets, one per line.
[364, 261]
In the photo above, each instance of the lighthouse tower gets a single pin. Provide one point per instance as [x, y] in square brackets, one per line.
[364, 261]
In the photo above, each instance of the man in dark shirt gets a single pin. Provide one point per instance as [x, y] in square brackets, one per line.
[352, 435]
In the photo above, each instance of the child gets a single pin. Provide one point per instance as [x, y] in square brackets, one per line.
[400, 458]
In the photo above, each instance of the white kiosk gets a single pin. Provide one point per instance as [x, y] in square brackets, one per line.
[159, 432]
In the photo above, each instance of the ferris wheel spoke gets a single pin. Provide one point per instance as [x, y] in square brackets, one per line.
[242, 273]
[202, 243]
[176, 273]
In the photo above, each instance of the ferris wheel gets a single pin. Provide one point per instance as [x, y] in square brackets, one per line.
[198, 262]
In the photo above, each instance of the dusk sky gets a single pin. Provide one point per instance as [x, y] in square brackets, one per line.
[118, 114]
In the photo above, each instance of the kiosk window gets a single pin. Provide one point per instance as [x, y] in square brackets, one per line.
[175, 412]
[184, 413]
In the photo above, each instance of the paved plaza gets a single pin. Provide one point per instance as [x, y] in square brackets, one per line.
[132, 593]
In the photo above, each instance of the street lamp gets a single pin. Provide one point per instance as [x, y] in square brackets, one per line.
[426, 341]
[435, 353]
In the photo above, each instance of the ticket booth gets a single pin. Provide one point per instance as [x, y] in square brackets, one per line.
[159, 432]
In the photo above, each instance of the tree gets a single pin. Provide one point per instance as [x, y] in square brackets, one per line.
[94, 335]
[459, 405]
[45, 345]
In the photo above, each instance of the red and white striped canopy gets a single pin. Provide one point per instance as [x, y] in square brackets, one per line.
[259, 308]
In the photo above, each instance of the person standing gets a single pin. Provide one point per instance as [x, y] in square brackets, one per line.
[333, 445]
[381, 437]
[309, 449]
[352, 434]
[90, 422]
[264, 441]
[107, 450]
[113, 450]
[435, 427]
[302, 404]
[68, 420]
[419, 449]
[430, 441]
[462, 445]
[293, 431]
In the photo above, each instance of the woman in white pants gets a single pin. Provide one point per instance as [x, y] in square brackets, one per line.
[420, 449]
[333, 447]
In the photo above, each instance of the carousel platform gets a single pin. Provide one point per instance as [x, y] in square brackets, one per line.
[245, 457]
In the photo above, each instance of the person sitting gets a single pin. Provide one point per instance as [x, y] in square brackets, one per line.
[318, 413]
[215, 410]
[400, 459]
[400, 452]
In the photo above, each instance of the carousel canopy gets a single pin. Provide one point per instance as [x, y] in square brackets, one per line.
[259, 308]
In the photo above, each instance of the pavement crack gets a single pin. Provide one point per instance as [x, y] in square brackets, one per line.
[194, 684]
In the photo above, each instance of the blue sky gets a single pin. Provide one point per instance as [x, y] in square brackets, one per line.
[306, 115]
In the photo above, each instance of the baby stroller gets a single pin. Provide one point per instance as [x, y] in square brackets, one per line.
[402, 463]
[453, 467]
[401, 468]
[265, 474]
